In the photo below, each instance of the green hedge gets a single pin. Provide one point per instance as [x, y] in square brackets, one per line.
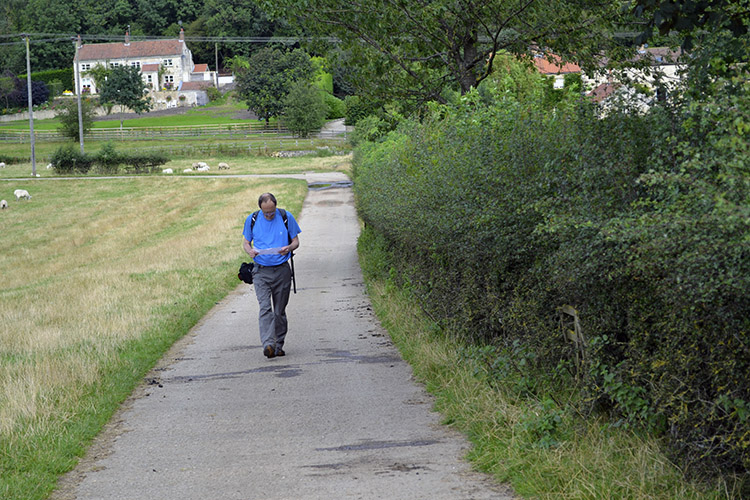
[65, 76]
[500, 214]
[69, 160]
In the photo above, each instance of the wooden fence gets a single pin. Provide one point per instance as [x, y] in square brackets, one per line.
[235, 131]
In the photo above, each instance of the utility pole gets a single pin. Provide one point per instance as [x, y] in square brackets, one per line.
[31, 107]
[216, 61]
[77, 43]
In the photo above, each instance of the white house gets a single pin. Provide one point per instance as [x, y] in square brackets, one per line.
[172, 57]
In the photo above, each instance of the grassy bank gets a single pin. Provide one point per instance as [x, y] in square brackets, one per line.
[100, 277]
[532, 443]
[237, 166]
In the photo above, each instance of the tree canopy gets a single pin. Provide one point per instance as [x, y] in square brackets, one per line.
[417, 48]
[124, 86]
[269, 79]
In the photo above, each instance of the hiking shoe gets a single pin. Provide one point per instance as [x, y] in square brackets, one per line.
[280, 351]
[269, 352]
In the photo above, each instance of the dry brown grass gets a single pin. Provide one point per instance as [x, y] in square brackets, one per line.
[90, 265]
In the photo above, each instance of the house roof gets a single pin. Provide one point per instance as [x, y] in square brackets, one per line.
[200, 68]
[146, 48]
[546, 67]
[149, 68]
[196, 85]
[603, 91]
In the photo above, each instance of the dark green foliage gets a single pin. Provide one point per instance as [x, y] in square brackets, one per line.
[370, 129]
[108, 160]
[499, 211]
[273, 73]
[67, 113]
[304, 109]
[213, 94]
[124, 86]
[64, 76]
[356, 109]
[69, 160]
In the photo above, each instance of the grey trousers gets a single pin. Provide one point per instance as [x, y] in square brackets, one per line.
[272, 286]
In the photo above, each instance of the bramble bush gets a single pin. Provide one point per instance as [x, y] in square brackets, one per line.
[498, 211]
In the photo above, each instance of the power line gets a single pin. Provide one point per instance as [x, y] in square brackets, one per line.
[55, 37]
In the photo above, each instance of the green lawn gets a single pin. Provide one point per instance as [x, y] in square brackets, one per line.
[209, 115]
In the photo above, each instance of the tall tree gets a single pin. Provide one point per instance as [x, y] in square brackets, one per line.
[270, 77]
[418, 47]
[124, 86]
[304, 109]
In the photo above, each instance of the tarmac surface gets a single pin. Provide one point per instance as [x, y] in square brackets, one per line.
[340, 416]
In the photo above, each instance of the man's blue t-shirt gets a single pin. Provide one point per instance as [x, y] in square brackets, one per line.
[270, 234]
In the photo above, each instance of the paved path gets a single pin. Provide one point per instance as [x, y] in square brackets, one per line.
[339, 416]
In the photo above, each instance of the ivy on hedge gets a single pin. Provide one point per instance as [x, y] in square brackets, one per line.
[500, 212]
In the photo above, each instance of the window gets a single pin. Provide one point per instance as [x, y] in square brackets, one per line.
[85, 66]
[167, 62]
[136, 64]
[115, 64]
[148, 78]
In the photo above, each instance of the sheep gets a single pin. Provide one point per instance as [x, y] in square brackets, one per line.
[21, 193]
[167, 171]
[2, 164]
[204, 168]
[35, 175]
[223, 166]
[187, 171]
[49, 166]
[3, 204]
[195, 165]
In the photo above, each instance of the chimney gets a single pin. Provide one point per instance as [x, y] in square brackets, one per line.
[127, 38]
[182, 35]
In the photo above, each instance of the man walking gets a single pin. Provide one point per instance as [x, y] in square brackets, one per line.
[269, 237]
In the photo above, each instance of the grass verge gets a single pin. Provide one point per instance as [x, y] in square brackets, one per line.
[100, 277]
[538, 447]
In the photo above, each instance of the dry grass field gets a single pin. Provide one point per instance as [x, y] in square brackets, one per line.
[99, 277]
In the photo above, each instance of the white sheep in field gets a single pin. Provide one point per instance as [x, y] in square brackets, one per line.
[223, 166]
[2, 164]
[167, 171]
[35, 175]
[3, 204]
[187, 171]
[204, 168]
[21, 193]
[49, 166]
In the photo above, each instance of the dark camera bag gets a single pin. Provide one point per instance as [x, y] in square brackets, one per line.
[246, 272]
